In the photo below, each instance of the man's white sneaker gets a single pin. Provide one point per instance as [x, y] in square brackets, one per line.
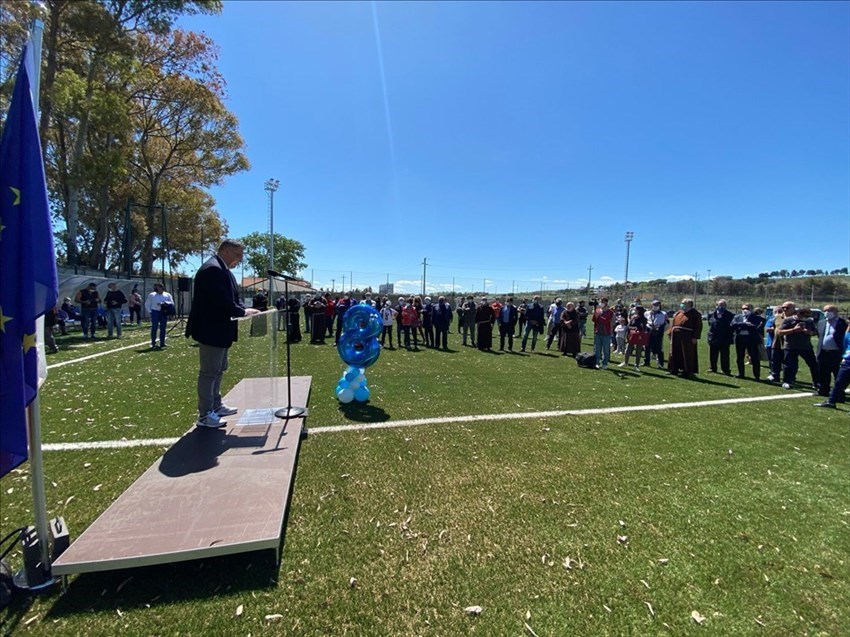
[786, 386]
[210, 421]
[224, 410]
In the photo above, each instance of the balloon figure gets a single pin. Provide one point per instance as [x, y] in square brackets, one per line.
[358, 348]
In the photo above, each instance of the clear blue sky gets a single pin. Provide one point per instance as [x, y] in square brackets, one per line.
[518, 142]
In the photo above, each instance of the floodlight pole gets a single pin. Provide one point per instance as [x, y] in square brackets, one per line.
[629, 236]
[271, 187]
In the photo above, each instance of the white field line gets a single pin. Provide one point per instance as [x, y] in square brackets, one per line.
[90, 356]
[533, 415]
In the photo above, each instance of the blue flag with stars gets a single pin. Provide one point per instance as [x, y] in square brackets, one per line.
[28, 285]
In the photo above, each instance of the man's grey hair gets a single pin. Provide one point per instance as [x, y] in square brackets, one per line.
[231, 244]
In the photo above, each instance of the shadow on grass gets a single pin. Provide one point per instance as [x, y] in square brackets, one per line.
[363, 412]
[199, 450]
[167, 584]
[18, 607]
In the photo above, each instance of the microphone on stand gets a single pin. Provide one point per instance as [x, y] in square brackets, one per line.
[289, 411]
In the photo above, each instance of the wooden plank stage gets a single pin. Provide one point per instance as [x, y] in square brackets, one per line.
[215, 492]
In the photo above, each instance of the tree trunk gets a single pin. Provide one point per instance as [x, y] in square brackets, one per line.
[147, 256]
[73, 212]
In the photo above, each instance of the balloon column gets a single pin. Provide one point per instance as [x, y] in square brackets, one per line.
[358, 348]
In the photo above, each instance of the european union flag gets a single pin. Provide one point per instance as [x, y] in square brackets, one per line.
[27, 265]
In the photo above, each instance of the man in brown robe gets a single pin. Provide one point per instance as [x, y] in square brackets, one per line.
[684, 336]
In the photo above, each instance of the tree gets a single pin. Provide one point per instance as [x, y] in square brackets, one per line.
[288, 254]
[183, 133]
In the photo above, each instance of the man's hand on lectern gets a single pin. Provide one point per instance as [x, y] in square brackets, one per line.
[251, 310]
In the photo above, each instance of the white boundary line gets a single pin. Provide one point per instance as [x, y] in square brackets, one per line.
[532, 415]
[90, 356]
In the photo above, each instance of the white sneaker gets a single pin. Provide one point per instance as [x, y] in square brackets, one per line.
[637, 368]
[210, 421]
[771, 378]
[623, 364]
[786, 386]
[224, 410]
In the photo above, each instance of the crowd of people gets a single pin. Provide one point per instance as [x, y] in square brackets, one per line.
[93, 312]
[639, 334]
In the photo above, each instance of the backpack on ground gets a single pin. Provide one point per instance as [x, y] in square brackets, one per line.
[586, 359]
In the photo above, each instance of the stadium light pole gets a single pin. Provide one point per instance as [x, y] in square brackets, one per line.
[270, 187]
[629, 236]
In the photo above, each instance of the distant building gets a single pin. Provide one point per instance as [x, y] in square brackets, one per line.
[386, 289]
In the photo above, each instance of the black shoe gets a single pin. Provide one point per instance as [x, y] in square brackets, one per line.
[739, 375]
[826, 404]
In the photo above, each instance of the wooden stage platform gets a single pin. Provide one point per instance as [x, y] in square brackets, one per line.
[215, 492]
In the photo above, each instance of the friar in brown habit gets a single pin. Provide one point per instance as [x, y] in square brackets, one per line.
[685, 331]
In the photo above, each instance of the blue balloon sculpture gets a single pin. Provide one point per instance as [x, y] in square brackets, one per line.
[358, 348]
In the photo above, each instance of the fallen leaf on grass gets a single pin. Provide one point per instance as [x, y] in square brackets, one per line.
[699, 619]
[649, 606]
[473, 610]
[30, 620]
[239, 610]
[663, 560]
[97, 487]
[530, 630]
[623, 539]
[527, 615]
[353, 582]
[274, 618]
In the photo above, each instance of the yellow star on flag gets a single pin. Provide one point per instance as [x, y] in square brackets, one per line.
[3, 320]
[29, 342]
[17, 192]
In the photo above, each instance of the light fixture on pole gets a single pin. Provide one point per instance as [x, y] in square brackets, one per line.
[270, 187]
[629, 236]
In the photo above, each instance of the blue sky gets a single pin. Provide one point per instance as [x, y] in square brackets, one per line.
[515, 143]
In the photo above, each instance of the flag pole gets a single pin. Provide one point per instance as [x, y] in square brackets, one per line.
[34, 409]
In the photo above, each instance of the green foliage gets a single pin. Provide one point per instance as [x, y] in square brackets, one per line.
[288, 254]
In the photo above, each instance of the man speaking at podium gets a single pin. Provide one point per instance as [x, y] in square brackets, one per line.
[215, 301]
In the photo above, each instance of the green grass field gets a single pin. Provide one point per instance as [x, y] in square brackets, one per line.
[601, 524]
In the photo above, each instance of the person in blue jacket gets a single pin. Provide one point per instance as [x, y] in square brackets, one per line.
[842, 381]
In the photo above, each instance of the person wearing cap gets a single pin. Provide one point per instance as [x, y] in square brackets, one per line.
[114, 300]
[657, 322]
[484, 325]
[89, 300]
[70, 310]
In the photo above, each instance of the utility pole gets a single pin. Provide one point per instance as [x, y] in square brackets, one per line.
[589, 270]
[351, 280]
[343, 282]
[708, 285]
[424, 270]
[333, 285]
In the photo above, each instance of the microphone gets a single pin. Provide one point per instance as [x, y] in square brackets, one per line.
[277, 275]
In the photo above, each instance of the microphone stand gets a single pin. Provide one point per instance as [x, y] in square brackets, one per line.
[289, 411]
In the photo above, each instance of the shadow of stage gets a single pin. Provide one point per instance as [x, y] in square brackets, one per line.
[152, 586]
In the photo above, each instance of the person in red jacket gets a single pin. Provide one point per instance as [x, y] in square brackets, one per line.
[603, 317]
